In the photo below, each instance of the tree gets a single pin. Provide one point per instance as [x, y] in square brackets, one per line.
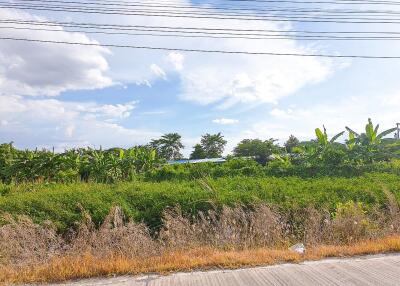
[168, 146]
[367, 146]
[213, 145]
[198, 152]
[291, 143]
[371, 135]
[322, 137]
[260, 150]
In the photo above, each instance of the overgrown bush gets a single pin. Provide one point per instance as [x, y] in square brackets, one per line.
[23, 242]
[146, 201]
[236, 227]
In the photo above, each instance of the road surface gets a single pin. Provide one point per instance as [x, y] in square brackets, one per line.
[369, 270]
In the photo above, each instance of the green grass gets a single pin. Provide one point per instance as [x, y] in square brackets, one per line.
[146, 201]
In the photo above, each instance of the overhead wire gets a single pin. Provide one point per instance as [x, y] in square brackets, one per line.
[202, 30]
[156, 9]
[264, 37]
[337, 2]
[215, 7]
[190, 29]
[239, 3]
[279, 18]
[295, 15]
[145, 31]
[200, 50]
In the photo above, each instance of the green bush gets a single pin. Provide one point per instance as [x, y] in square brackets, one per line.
[146, 201]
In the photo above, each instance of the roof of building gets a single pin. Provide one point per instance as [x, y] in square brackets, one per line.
[197, 161]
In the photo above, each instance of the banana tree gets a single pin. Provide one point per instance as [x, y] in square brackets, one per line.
[367, 146]
[322, 137]
[370, 137]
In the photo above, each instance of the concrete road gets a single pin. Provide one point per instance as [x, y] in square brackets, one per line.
[369, 270]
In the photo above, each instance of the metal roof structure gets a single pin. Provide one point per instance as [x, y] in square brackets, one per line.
[197, 161]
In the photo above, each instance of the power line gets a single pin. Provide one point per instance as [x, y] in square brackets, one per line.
[199, 30]
[196, 12]
[254, 2]
[338, 2]
[214, 8]
[189, 15]
[265, 37]
[201, 50]
[183, 33]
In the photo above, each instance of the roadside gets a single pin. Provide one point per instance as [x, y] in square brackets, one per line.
[86, 265]
[368, 270]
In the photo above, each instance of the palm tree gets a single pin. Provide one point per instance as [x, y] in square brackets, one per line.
[168, 146]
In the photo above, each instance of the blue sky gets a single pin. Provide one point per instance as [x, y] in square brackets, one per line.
[70, 96]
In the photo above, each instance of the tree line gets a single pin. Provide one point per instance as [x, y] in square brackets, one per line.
[365, 145]
[169, 146]
[117, 164]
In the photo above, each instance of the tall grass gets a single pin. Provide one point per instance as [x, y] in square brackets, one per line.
[231, 237]
[146, 201]
[46, 230]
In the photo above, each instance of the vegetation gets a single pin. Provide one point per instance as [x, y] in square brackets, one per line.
[211, 146]
[198, 152]
[127, 211]
[291, 143]
[86, 165]
[87, 265]
[168, 146]
[361, 153]
[231, 237]
[260, 151]
[146, 201]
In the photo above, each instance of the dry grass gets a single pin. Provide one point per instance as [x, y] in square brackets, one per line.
[115, 236]
[23, 241]
[230, 228]
[87, 265]
[227, 238]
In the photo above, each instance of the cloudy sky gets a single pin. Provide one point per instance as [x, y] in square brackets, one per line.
[67, 95]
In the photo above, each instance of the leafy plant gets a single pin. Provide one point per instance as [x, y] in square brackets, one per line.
[371, 135]
[322, 137]
[213, 145]
[168, 146]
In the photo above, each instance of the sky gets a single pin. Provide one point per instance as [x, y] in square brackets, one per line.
[67, 96]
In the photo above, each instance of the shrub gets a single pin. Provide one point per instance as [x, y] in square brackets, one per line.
[22, 241]
[237, 227]
[146, 201]
[350, 223]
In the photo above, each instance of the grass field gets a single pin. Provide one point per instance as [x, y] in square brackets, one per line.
[146, 201]
[46, 230]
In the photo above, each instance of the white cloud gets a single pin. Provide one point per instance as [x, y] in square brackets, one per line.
[108, 111]
[352, 112]
[177, 60]
[159, 72]
[221, 79]
[28, 68]
[250, 79]
[69, 131]
[280, 113]
[225, 121]
[50, 122]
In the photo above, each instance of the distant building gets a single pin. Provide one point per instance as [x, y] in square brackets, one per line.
[196, 161]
